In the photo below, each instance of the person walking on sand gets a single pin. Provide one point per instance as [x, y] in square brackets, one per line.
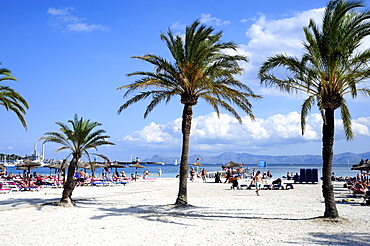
[192, 175]
[204, 174]
[258, 181]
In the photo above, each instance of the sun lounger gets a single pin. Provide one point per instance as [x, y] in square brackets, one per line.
[357, 192]
[10, 185]
[32, 188]
[3, 189]
[267, 187]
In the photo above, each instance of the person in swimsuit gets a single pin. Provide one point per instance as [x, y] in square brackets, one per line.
[258, 181]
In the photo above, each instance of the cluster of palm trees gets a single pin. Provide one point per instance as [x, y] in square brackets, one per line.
[331, 67]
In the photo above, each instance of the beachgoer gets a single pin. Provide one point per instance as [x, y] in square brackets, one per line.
[123, 174]
[288, 176]
[269, 175]
[159, 172]
[258, 182]
[192, 174]
[204, 174]
[82, 177]
[217, 177]
[228, 175]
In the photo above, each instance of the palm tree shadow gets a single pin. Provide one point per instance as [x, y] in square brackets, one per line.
[345, 238]
[172, 214]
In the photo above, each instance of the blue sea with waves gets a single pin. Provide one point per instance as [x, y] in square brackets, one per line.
[171, 170]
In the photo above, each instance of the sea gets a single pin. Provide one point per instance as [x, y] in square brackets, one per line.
[171, 170]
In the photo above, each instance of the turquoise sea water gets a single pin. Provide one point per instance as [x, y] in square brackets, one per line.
[171, 170]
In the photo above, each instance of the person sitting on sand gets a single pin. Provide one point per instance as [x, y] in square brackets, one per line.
[288, 176]
[217, 177]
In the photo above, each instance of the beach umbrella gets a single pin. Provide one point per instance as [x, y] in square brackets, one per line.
[28, 165]
[231, 164]
[196, 163]
[116, 165]
[60, 165]
[136, 165]
[362, 166]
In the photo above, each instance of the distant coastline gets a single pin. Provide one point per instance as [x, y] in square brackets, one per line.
[343, 158]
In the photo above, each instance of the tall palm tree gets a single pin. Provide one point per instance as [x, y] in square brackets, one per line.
[11, 99]
[331, 68]
[78, 139]
[200, 69]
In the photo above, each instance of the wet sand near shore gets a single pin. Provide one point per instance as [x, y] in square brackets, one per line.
[142, 213]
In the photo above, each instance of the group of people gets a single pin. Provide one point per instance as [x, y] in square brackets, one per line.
[202, 174]
[256, 176]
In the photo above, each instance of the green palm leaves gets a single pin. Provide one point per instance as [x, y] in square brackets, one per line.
[79, 138]
[332, 65]
[200, 69]
[12, 100]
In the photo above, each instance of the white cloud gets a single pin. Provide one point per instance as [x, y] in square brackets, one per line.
[83, 27]
[208, 19]
[210, 133]
[64, 18]
[7, 148]
[268, 37]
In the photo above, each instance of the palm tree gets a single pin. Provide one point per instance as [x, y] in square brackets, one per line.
[12, 100]
[78, 139]
[200, 69]
[331, 68]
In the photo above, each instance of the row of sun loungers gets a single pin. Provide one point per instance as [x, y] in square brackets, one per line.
[7, 186]
[275, 185]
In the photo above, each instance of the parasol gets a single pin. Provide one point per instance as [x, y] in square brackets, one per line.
[231, 164]
[28, 165]
[136, 165]
[196, 163]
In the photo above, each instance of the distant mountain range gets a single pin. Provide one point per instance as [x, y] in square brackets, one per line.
[343, 158]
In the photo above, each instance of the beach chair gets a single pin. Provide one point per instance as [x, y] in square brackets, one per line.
[4, 189]
[13, 186]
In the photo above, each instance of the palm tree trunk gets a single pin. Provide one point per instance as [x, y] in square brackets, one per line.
[187, 115]
[70, 184]
[327, 155]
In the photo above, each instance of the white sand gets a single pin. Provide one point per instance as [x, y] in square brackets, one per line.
[141, 214]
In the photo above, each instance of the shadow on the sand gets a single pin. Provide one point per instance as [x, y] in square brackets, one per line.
[173, 214]
[345, 238]
[16, 203]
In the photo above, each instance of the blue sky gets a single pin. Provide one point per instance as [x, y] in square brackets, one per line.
[70, 56]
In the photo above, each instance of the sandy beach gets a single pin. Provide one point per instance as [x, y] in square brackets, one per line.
[141, 213]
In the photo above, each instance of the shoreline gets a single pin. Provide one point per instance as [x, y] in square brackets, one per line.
[141, 213]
